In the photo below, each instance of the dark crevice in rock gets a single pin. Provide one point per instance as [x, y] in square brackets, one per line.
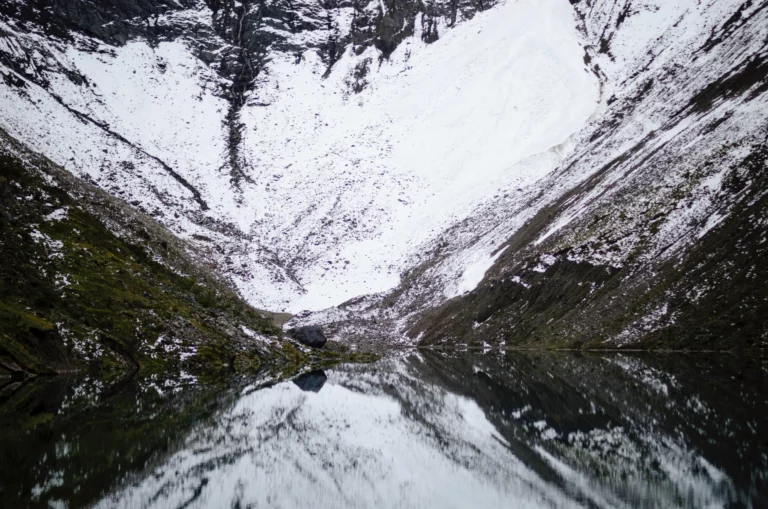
[241, 25]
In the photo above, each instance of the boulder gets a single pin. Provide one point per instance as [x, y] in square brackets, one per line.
[311, 336]
[312, 381]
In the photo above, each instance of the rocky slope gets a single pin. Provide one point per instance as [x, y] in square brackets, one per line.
[87, 282]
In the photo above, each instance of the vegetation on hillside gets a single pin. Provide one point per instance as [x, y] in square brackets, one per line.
[75, 295]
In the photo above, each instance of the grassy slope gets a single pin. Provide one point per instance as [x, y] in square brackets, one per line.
[714, 296]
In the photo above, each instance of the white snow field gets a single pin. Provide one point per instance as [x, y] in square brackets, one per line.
[439, 128]
[341, 188]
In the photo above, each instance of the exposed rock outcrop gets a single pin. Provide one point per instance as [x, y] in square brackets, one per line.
[310, 336]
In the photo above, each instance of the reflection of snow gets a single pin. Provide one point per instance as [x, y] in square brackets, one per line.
[341, 448]
[382, 436]
[432, 430]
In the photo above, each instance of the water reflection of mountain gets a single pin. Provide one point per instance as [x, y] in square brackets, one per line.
[68, 441]
[637, 431]
[423, 430]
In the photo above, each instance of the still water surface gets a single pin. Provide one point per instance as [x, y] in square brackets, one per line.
[421, 430]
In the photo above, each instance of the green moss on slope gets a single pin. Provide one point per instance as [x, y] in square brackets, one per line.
[74, 295]
[73, 292]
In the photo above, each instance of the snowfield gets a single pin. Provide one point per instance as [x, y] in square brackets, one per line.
[340, 188]
[358, 181]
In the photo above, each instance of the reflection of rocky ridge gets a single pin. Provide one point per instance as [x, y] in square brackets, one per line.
[625, 431]
[83, 436]
[481, 430]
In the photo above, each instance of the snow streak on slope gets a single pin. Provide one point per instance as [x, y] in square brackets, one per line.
[354, 182]
[339, 188]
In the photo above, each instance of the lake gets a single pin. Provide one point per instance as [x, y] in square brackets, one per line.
[417, 429]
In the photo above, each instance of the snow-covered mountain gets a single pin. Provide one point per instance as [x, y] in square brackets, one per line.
[313, 184]
[651, 232]
[317, 152]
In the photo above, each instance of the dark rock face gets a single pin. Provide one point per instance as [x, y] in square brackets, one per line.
[240, 34]
[112, 22]
[311, 336]
[312, 381]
